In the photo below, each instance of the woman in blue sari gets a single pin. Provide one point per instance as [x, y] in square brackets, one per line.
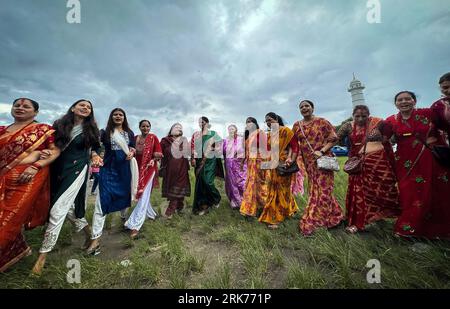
[118, 176]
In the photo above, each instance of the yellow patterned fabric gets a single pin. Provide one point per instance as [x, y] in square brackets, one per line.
[280, 202]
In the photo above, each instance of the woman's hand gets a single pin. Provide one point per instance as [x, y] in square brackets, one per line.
[27, 175]
[288, 161]
[130, 156]
[318, 154]
[193, 162]
[158, 156]
[96, 161]
[45, 154]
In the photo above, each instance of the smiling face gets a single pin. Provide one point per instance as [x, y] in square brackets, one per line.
[445, 88]
[23, 110]
[177, 130]
[232, 130]
[269, 120]
[360, 116]
[306, 109]
[145, 127]
[118, 118]
[405, 102]
[82, 109]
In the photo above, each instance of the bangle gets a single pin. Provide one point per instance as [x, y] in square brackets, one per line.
[36, 165]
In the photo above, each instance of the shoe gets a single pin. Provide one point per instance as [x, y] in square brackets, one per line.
[273, 226]
[201, 213]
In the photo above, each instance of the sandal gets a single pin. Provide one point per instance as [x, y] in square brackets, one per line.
[272, 226]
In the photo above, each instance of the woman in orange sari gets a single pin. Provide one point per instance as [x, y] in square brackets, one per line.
[372, 193]
[24, 182]
[280, 203]
[255, 189]
[322, 210]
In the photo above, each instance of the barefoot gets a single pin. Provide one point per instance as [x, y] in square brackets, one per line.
[87, 237]
[39, 265]
[134, 234]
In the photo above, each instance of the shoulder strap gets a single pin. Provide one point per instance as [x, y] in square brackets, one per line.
[306, 139]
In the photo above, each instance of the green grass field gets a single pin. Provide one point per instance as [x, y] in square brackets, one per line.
[223, 250]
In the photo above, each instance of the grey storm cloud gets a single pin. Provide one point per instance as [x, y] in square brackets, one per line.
[173, 61]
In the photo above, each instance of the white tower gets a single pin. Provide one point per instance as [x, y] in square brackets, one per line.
[356, 89]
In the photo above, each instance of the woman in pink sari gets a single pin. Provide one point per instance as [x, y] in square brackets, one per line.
[234, 152]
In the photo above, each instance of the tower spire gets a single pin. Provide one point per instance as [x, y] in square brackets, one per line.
[356, 89]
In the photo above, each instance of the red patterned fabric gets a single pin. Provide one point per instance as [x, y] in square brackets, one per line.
[372, 195]
[424, 187]
[147, 169]
[323, 209]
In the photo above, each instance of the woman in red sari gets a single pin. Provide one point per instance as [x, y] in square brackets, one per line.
[24, 182]
[145, 127]
[151, 153]
[372, 194]
[442, 106]
[423, 183]
[322, 210]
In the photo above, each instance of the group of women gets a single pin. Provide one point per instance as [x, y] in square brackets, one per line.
[44, 171]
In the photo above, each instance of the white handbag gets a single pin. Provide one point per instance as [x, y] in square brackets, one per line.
[325, 163]
[328, 163]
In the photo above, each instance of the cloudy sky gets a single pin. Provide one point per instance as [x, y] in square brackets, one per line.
[170, 61]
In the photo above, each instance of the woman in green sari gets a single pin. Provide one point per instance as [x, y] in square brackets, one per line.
[206, 150]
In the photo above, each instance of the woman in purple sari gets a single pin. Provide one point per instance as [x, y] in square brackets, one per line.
[234, 152]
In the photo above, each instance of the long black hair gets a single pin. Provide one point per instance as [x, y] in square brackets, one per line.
[64, 125]
[252, 120]
[110, 126]
[276, 117]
